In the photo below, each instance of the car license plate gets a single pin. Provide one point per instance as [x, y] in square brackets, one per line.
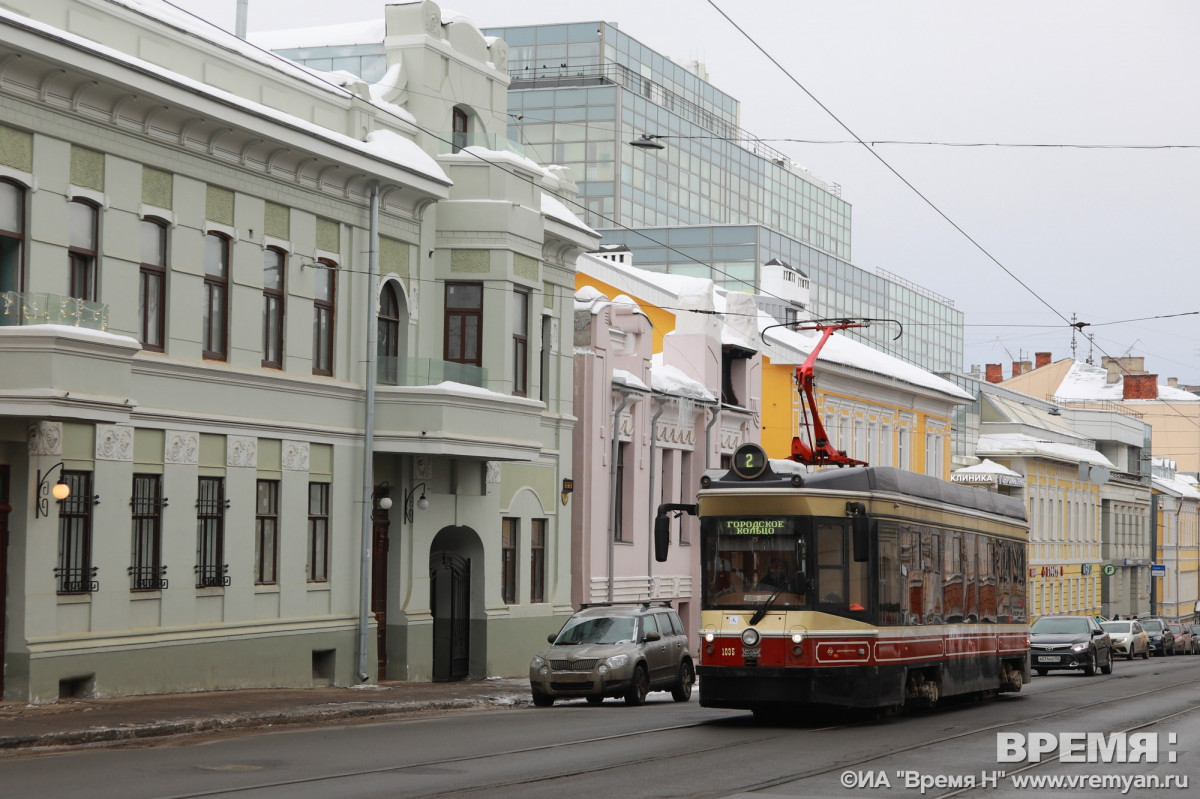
[751, 651]
[1048, 659]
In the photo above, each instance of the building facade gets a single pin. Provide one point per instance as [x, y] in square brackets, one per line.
[298, 364]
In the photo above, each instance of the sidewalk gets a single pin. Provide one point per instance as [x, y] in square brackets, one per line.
[79, 722]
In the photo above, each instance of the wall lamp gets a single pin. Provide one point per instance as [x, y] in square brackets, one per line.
[383, 501]
[60, 491]
[422, 503]
[648, 142]
[568, 486]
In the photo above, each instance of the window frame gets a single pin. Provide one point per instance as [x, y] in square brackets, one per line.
[215, 285]
[274, 309]
[146, 273]
[457, 318]
[537, 560]
[17, 236]
[146, 571]
[520, 342]
[266, 532]
[75, 572]
[387, 346]
[509, 541]
[324, 318]
[84, 257]
[317, 567]
[211, 570]
[460, 126]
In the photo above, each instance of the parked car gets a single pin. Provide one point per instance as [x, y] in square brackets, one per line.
[1195, 628]
[1070, 642]
[1185, 644]
[1162, 642]
[615, 649]
[1128, 638]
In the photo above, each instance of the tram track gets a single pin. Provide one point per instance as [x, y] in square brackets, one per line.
[725, 747]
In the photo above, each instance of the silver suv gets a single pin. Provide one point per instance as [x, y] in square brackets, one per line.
[612, 649]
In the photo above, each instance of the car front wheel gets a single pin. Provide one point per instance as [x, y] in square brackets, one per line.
[682, 691]
[1090, 668]
[638, 687]
[1108, 664]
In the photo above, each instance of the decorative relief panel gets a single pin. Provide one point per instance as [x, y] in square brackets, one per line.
[625, 431]
[493, 471]
[182, 448]
[241, 451]
[731, 439]
[295, 456]
[674, 433]
[423, 466]
[45, 438]
[114, 442]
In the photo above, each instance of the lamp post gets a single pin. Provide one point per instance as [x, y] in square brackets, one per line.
[60, 491]
[422, 503]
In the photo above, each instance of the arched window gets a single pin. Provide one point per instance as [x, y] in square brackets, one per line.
[461, 124]
[12, 240]
[324, 293]
[152, 285]
[82, 251]
[389, 336]
[274, 298]
[215, 338]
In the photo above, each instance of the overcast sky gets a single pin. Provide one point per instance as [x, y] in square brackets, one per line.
[1109, 235]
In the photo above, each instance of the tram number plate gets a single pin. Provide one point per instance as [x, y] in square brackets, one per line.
[751, 651]
[1048, 659]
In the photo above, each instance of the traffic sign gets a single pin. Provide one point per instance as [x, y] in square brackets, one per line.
[1158, 570]
[1109, 570]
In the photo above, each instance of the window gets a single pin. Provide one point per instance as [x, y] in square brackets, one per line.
[464, 323]
[82, 250]
[508, 561]
[75, 571]
[146, 572]
[12, 237]
[152, 288]
[619, 500]
[544, 378]
[266, 533]
[537, 560]
[211, 571]
[216, 297]
[323, 297]
[388, 346]
[459, 135]
[318, 532]
[520, 343]
[274, 265]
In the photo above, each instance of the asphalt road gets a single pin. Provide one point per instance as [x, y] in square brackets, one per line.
[1146, 709]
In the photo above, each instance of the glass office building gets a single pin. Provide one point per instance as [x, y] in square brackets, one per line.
[714, 201]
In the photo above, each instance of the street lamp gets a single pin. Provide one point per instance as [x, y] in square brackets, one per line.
[60, 491]
[422, 503]
[648, 142]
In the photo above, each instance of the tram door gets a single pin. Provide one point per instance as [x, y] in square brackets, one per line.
[450, 600]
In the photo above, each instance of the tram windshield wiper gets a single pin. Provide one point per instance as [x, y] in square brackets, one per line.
[764, 607]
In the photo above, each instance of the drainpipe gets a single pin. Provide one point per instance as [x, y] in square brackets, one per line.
[368, 504]
[627, 397]
[1153, 551]
[662, 406]
[716, 414]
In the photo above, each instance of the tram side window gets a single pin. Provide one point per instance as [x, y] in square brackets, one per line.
[987, 579]
[953, 589]
[913, 577]
[892, 576]
[840, 581]
[970, 579]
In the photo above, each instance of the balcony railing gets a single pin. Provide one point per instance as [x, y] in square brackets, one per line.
[35, 308]
[393, 371]
[453, 142]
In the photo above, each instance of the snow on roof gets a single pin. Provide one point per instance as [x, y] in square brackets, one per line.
[670, 379]
[557, 209]
[1178, 487]
[347, 33]
[1084, 382]
[421, 163]
[629, 380]
[988, 467]
[391, 146]
[1007, 445]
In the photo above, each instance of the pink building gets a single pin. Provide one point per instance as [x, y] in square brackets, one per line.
[675, 414]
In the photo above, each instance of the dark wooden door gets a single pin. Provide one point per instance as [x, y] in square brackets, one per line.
[379, 575]
[5, 508]
[450, 599]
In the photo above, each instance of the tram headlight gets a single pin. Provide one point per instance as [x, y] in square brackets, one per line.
[750, 636]
[708, 637]
[797, 638]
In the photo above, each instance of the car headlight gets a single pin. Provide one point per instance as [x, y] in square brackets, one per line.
[617, 661]
[1079, 648]
[537, 662]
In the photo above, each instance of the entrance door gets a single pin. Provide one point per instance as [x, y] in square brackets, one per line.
[5, 508]
[450, 599]
[379, 575]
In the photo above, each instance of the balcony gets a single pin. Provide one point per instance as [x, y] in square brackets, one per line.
[18, 308]
[394, 371]
[453, 142]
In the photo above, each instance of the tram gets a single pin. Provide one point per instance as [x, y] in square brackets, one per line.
[860, 587]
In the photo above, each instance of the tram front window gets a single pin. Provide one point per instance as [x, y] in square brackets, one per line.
[804, 563]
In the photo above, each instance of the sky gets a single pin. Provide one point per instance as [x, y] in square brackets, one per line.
[1026, 237]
